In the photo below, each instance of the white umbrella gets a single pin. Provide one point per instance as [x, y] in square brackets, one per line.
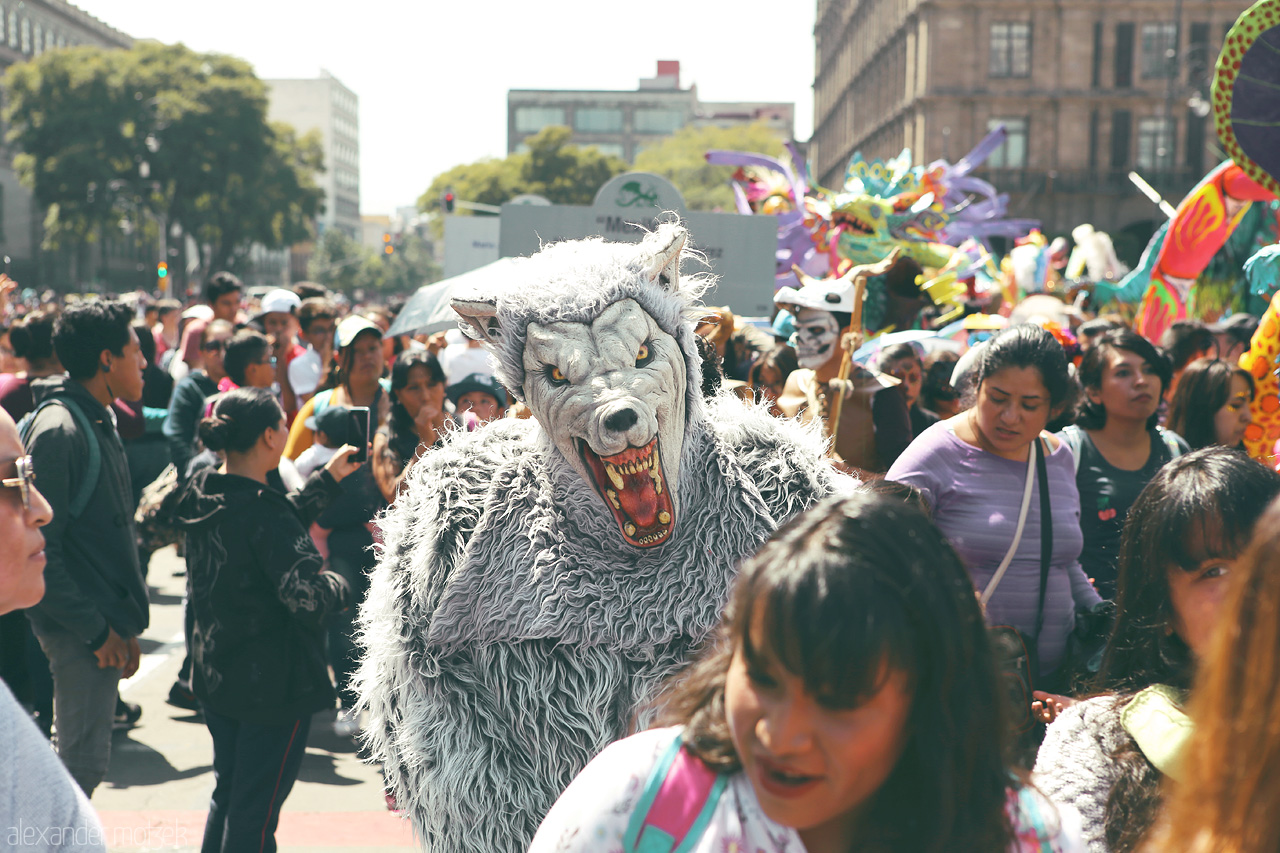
[428, 311]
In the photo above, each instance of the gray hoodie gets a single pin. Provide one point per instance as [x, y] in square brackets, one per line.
[92, 578]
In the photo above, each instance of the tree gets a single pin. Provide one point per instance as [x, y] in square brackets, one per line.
[160, 129]
[551, 167]
[408, 268]
[341, 263]
[338, 261]
[680, 158]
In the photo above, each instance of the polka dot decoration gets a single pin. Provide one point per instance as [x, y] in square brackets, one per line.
[1246, 93]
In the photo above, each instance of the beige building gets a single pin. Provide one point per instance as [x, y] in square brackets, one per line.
[623, 123]
[324, 104]
[1088, 91]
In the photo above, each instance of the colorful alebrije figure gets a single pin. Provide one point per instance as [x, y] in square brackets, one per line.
[924, 212]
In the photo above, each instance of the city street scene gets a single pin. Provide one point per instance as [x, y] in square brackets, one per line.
[848, 426]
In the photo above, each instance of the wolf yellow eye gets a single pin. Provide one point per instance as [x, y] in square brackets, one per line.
[643, 355]
[556, 376]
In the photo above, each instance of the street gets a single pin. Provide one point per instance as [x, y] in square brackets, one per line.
[157, 790]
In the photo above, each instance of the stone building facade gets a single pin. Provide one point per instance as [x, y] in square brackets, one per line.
[28, 29]
[1089, 91]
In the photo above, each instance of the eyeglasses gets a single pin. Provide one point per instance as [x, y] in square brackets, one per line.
[270, 361]
[213, 346]
[24, 482]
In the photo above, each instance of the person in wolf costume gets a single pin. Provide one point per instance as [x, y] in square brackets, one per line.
[539, 578]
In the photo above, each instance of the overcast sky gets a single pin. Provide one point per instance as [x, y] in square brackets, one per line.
[432, 76]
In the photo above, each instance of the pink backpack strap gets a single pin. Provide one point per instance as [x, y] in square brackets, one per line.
[676, 804]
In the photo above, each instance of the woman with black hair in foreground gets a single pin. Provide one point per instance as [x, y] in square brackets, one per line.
[1107, 755]
[849, 702]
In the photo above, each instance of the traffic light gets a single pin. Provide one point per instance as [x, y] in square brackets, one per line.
[162, 269]
[448, 202]
[387, 248]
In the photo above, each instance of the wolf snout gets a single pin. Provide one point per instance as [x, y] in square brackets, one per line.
[621, 420]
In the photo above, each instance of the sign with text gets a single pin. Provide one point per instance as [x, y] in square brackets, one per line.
[470, 242]
[739, 249]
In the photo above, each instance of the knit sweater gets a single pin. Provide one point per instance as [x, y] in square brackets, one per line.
[41, 807]
[1074, 766]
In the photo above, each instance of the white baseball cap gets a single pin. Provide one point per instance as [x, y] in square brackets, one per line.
[353, 325]
[281, 301]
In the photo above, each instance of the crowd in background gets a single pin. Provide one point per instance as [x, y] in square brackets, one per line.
[1064, 479]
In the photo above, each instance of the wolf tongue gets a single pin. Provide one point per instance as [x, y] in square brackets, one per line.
[639, 500]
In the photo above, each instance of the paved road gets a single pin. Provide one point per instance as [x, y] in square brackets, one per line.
[156, 794]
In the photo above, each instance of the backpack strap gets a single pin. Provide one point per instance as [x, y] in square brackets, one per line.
[1031, 828]
[1074, 438]
[1173, 441]
[93, 467]
[676, 804]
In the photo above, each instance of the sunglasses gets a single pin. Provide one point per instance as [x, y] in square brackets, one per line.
[24, 482]
[213, 346]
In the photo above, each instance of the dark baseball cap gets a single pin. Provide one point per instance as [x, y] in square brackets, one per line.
[333, 421]
[477, 382]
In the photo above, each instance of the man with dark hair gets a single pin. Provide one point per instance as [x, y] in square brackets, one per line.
[317, 318]
[222, 291]
[95, 603]
[248, 362]
[310, 290]
[1234, 335]
[1184, 342]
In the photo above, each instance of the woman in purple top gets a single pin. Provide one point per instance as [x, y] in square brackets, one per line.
[972, 468]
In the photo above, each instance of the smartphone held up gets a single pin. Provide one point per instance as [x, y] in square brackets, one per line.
[359, 433]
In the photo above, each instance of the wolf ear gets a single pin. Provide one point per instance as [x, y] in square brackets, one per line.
[663, 248]
[480, 318]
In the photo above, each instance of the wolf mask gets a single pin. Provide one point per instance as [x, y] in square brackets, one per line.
[539, 579]
[610, 372]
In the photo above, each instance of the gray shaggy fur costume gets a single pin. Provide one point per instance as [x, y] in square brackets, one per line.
[513, 627]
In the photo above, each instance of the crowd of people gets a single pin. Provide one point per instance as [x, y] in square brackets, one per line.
[1046, 619]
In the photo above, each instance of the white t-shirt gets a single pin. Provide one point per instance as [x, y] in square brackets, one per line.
[593, 812]
[315, 456]
[305, 372]
[460, 361]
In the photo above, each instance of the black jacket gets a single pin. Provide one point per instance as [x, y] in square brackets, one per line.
[92, 578]
[259, 594]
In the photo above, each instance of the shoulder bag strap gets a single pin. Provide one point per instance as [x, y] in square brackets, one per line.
[1046, 535]
[1074, 437]
[1017, 533]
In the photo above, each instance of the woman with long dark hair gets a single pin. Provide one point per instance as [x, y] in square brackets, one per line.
[417, 418]
[1226, 796]
[1117, 444]
[1212, 404]
[1107, 755]
[849, 702]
